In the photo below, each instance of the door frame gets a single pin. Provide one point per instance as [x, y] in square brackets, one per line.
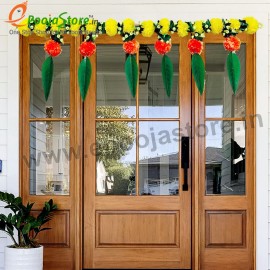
[195, 213]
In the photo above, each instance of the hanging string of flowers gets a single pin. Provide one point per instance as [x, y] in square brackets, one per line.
[195, 47]
[86, 49]
[128, 29]
[53, 48]
[163, 46]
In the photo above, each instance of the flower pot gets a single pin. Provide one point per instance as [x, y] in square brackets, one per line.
[23, 258]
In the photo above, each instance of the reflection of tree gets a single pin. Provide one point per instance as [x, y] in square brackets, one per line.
[114, 138]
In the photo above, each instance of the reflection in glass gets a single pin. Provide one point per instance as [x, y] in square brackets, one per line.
[154, 102]
[220, 100]
[49, 158]
[58, 103]
[225, 157]
[158, 158]
[116, 158]
[114, 99]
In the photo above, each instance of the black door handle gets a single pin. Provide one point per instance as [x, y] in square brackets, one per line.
[185, 160]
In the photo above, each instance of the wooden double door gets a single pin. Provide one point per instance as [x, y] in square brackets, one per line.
[171, 183]
[162, 182]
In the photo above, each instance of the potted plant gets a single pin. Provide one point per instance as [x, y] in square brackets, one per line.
[23, 228]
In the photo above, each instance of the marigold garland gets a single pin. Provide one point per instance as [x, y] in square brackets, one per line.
[164, 26]
[52, 48]
[195, 46]
[162, 47]
[111, 27]
[128, 29]
[216, 25]
[182, 28]
[148, 28]
[87, 48]
[232, 44]
[131, 47]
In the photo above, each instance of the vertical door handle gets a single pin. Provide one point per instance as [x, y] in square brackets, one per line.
[185, 160]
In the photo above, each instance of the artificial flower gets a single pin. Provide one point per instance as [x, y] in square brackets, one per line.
[183, 28]
[111, 27]
[52, 48]
[195, 46]
[198, 27]
[128, 26]
[216, 25]
[148, 28]
[162, 47]
[165, 26]
[40, 29]
[24, 29]
[253, 25]
[232, 44]
[87, 48]
[57, 25]
[234, 24]
[75, 29]
[91, 27]
[131, 47]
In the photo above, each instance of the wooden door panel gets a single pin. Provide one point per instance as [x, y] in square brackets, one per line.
[137, 228]
[59, 236]
[225, 229]
[136, 265]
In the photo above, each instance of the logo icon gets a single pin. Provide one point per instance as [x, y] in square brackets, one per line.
[17, 14]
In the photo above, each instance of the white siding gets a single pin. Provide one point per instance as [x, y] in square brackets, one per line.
[143, 9]
[3, 124]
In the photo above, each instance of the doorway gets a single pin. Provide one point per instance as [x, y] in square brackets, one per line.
[181, 156]
[166, 182]
[138, 195]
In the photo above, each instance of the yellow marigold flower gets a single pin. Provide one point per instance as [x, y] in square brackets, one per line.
[148, 28]
[198, 27]
[165, 26]
[57, 25]
[24, 29]
[75, 28]
[253, 25]
[40, 29]
[111, 27]
[216, 25]
[235, 24]
[128, 26]
[91, 26]
[182, 28]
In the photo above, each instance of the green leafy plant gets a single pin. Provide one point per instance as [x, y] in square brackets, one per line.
[20, 224]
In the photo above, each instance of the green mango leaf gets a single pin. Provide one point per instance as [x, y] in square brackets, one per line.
[167, 74]
[198, 71]
[131, 70]
[84, 76]
[47, 76]
[234, 70]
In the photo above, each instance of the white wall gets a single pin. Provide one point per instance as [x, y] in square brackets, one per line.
[143, 9]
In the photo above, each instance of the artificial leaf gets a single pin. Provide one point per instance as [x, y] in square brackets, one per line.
[198, 71]
[84, 76]
[234, 70]
[47, 76]
[131, 70]
[167, 74]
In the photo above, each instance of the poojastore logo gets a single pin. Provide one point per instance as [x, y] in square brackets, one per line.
[16, 14]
